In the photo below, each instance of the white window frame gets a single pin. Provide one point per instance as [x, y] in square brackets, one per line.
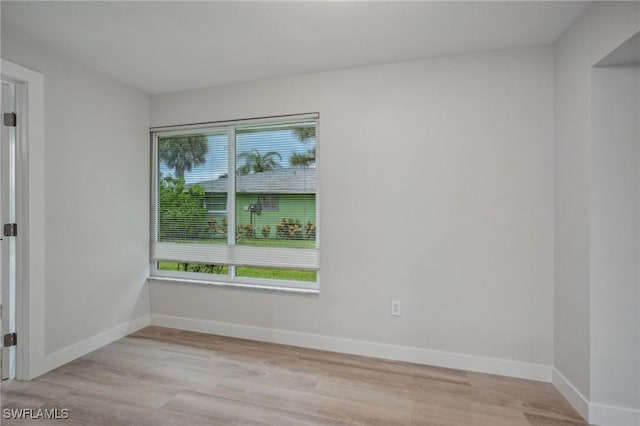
[231, 279]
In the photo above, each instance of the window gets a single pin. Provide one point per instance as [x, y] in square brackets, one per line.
[269, 202]
[236, 203]
[216, 203]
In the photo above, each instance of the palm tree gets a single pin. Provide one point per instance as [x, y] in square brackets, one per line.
[254, 162]
[183, 153]
[305, 133]
[308, 158]
[305, 160]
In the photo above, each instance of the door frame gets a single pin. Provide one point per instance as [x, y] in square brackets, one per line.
[7, 213]
[30, 217]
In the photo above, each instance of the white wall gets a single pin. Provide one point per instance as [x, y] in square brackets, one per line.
[602, 28]
[436, 182]
[96, 192]
[615, 237]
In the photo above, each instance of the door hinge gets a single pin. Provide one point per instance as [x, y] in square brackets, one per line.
[10, 229]
[10, 339]
[9, 119]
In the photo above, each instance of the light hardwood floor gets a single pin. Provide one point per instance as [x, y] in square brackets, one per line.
[161, 376]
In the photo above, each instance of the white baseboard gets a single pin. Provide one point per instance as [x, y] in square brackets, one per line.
[92, 343]
[596, 414]
[606, 415]
[481, 364]
[573, 395]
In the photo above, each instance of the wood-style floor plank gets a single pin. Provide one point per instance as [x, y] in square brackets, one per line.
[161, 376]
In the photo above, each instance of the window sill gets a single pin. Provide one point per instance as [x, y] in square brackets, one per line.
[260, 287]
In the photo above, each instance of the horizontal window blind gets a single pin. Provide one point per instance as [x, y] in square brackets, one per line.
[238, 255]
[241, 194]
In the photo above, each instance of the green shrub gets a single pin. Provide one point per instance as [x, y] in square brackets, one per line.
[209, 269]
[200, 267]
[218, 230]
[289, 229]
[310, 231]
[182, 215]
[245, 231]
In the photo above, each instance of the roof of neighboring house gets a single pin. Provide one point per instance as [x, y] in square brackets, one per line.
[294, 180]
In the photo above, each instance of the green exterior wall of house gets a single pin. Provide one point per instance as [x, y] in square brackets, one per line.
[275, 207]
[290, 206]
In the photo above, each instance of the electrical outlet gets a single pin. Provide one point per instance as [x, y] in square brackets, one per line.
[395, 308]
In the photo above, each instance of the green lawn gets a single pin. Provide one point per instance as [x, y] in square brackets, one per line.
[276, 274]
[252, 272]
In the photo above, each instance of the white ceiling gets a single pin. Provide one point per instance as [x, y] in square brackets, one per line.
[176, 45]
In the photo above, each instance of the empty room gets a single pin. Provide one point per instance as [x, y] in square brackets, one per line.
[320, 212]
